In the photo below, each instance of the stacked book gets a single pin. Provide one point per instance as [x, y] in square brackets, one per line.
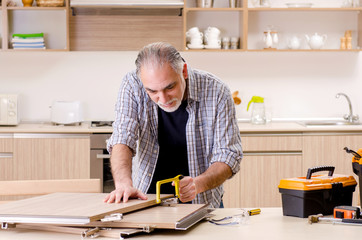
[28, 41]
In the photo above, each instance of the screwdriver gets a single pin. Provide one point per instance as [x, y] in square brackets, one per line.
[254, 211]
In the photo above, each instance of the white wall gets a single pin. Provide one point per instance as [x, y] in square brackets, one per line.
[294, 84]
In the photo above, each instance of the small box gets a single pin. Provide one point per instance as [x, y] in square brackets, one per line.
[304, 196]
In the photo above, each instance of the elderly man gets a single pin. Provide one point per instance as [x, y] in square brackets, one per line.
[171, 120]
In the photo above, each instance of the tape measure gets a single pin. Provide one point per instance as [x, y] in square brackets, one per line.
[347, 212]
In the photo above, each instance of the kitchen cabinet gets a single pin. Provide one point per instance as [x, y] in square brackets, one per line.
[267, 159]
[6, 156]
[130, 28]
[52, 21]
[327, 149]
[51, 156]
[249, 23]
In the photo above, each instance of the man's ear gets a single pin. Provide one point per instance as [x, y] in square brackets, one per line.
[184, 71]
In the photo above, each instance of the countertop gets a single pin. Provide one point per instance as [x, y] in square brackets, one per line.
[270, 224]
[245, 127]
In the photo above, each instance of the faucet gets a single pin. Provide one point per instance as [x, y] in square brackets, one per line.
[349, 117]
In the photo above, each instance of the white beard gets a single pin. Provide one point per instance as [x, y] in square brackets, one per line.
[172, 109]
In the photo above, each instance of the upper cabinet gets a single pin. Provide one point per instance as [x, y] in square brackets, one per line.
[190, 25]
[276, 25]
[123, 25]
[46, 17]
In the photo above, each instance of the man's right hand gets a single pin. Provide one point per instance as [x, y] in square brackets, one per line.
[124, 193]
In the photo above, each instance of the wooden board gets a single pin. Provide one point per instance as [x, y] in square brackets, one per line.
[180, 216]
[61, 208]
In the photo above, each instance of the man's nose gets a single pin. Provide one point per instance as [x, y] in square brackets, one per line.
[162, 97]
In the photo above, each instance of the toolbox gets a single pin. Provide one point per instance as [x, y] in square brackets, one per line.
[304, 196]
[357, 169]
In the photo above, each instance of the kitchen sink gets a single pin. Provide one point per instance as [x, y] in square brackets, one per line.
[329, 123]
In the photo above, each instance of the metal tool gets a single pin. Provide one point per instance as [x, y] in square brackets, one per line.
[240, 218]
[319, 217]
[355, 154]
[112, 217]
[176, 180]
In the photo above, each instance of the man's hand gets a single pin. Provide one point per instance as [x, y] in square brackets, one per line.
[187, 189]
[124, 193]
[215, 175]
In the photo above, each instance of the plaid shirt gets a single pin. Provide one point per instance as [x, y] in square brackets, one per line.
[212, 133]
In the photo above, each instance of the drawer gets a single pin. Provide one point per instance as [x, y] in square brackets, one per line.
[272, 142]
[6, 143]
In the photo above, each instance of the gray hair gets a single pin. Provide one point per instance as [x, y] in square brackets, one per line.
[157, 54]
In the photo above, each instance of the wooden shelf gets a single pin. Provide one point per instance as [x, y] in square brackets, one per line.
[248, 23]
[35, 50]
[36, 8]
[304, 9]
[213, 9]
[215, 50]
[304, 50]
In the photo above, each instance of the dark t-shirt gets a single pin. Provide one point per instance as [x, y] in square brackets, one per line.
[172, 159]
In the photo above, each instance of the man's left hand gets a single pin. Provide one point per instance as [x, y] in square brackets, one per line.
[187, 189]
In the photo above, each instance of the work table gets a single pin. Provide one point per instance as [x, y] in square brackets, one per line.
[270, 224]
[244, 127]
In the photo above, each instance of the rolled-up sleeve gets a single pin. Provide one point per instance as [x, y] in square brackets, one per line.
[227, 142]
[126, 125]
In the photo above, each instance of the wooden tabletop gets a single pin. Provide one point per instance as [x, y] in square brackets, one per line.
[270, 224]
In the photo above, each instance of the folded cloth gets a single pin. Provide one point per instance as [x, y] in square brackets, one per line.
[27, 40]
[28, 45]
[29, 35]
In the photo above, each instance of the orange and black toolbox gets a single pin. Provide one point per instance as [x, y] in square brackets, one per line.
[304, 196]
[357, 167]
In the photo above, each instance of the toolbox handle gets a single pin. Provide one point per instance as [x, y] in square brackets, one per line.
[320, 169]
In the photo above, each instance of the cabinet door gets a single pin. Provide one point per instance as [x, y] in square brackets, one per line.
[272, 142]
[328, 150]
[256, 185]
[6, 156]
[51, 156]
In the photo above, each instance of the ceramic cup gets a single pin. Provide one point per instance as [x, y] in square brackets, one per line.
[194, 32]
[196, 41]
[213, 31]
[214, 42]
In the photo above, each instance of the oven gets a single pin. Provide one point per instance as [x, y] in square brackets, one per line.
[100, 166]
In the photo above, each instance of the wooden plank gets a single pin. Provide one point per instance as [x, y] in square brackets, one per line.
[68, 207]
[163, 217]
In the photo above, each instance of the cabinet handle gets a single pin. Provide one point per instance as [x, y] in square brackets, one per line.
[103, 156]
[6, 155]
[272, 153]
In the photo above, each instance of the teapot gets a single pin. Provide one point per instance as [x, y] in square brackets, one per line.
[294, 42]
[316, 41]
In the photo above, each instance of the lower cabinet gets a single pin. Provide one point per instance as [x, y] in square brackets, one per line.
[271, 157]
[6, 156]
[256, 185]
[267, 159]
[327, 149]
[51, 156]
